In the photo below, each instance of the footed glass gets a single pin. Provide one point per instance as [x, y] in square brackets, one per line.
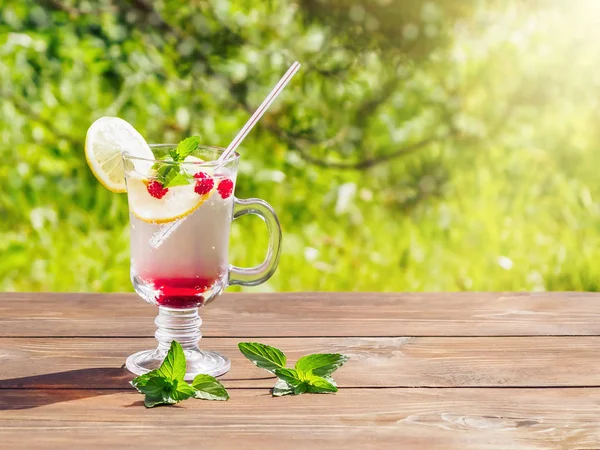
[179, 249]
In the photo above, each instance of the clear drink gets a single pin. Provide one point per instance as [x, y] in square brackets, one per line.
[190, 265]
[180, 215]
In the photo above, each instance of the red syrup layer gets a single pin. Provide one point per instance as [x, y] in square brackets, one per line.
[182, 292]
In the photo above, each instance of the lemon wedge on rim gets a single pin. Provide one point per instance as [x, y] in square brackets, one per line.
[107, 139]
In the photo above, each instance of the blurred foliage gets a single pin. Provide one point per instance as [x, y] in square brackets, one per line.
[435, 145]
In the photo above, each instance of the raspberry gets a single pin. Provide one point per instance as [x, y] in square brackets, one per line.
[225, 188]
[156, 189]
[204, 183]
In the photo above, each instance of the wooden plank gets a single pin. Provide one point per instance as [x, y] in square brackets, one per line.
[353, 418]
[311, 314]
[375, 362]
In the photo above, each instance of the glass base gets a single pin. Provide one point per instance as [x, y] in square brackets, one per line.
[198, 361]
[183, 326]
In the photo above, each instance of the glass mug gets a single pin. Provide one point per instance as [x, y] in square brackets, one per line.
[179, 249]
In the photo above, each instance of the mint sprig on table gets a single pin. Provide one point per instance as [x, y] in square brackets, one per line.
[169, 174]
[312, 373]
[166, 386]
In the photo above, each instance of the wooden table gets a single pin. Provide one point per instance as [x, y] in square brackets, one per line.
[428, 371]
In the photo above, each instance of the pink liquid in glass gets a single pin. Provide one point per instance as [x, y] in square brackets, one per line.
[182, 292]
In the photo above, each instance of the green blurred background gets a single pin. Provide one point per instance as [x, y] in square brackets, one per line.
[425, 145]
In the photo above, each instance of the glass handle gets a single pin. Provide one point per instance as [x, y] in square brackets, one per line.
[261, 273]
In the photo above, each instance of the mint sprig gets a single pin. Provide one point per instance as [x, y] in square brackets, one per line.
[264, 356]
[205, 388]
[169, 173]
[166, 385]
[186, 147]
[174, 366]
[321, 364]
[312, 373]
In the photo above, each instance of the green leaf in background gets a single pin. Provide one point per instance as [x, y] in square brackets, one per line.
[209, 388]
[321, 364]
[264, 356]
[186, 147]
[173, 367]
[439, 202]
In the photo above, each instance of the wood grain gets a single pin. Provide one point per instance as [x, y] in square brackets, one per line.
[354, 418]
[427, 371]
[375, 362]
[311, 314]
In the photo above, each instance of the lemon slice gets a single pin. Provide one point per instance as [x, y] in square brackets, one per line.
[107, 139]
[177, 203]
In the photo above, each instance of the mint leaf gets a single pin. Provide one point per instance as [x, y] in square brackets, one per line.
[173, 367]
[290, 376]
[166, 386]
[166, 172]
[319, 385]
[264, 356]
[162, 391]
[312, 372]
[281, 388]
[158, 391]
[163, 171]
[186, 147]
[331, 380]
[151, 402]
[176, 179]
[321, 364]
[142, 380]
[300, 389]
[293, 379]
[156, 386]
[182, 391]
[208, 388]
[170, 175]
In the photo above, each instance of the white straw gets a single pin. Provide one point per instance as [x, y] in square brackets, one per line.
[166, 230]
[260, 110]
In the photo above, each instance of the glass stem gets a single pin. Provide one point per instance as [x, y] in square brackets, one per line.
[181, 325]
